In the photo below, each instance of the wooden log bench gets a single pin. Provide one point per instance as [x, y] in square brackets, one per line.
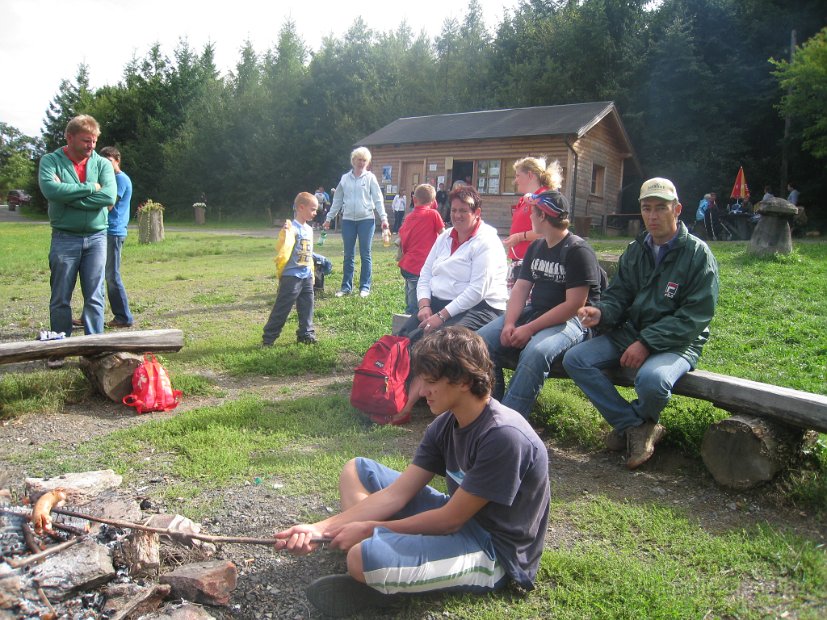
[108, 360]
[762, 436]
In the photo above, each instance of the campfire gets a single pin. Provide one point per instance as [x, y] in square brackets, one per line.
[73, 547]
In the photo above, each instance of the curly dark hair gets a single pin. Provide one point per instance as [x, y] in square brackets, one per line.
[466, 194]
[455, 353]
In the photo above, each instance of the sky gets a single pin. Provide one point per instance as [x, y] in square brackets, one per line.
[44, 41]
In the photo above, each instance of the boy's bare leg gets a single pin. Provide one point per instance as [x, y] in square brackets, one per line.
[351, 490]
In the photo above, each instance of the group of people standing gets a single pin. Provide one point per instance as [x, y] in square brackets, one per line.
[89, 199]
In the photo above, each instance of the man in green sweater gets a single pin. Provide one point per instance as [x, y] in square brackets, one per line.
[79, 185]
[654, 317]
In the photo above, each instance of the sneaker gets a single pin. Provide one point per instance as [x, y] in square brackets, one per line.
[615, 440]
[364, 293]
[266, 345]
[342, 293]
[307, 339]
[339, 596]
[641, 441]
[118, 324]
[77, 322]
[55, 362]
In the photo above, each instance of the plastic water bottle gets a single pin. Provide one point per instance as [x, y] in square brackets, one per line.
[386, 238]
[322, 238]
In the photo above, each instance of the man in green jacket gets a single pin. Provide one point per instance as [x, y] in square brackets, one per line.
[654, 317]
[79, 185]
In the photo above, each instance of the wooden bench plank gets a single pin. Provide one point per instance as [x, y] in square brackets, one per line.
[792, 407]
[138, 341]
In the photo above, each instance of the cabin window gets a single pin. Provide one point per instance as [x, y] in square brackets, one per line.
[488, 176]
[509, 177]
[598, 179]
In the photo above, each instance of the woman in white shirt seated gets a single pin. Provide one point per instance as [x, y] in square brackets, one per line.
[463, 279]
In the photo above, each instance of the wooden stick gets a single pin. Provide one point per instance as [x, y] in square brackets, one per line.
[45, 600]
[175, 535]
[28, 536]
[36, 557]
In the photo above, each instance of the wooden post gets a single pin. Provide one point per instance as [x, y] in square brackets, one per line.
[200, 215]
[150, 226]
[744, 451]
[111, 373]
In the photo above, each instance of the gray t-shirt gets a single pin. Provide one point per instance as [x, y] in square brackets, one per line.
[498, 457]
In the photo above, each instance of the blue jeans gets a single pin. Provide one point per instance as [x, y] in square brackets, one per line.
[70, 256]
[115, 290]
[411, 282]
[653, 382]
[533, 362]
[363, 230]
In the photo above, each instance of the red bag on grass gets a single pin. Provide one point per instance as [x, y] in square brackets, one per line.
[379, 381]
[151, 388]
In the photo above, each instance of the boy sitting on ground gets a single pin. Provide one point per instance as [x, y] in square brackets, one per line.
[296, 279]
[403, 536]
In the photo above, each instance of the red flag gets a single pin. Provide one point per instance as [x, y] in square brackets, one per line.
[740, 190]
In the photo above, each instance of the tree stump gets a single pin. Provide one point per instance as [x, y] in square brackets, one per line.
[111, 373]
[142, 553]
[150, 226]
[772, 234]
[743, 451]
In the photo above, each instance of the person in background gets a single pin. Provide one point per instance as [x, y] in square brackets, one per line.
[416, 237]
[296, 279]
[357, 198]
[79, 186]
[323, 199]
[399, 205]
[442, 204]
[792, 197]
[654, 318]
[703, 221]
[401, 535]
[115, 238]
[767, 193]
[560, 274]
[531, 177]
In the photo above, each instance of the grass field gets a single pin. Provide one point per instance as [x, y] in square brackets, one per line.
[629, 560]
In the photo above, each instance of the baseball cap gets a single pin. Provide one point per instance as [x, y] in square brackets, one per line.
[660, 187]
[550, 202]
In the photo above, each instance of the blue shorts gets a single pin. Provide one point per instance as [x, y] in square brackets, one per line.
[407, 563]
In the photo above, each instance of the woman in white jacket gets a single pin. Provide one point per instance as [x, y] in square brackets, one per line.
[463, 279]
[357, 197]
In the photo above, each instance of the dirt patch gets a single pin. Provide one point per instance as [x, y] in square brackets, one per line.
[275, 582]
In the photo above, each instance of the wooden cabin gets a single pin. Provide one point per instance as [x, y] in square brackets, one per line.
[480, 148]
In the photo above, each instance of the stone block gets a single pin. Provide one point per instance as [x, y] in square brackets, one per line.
[81, 487]
[84, 566]
[203, 582]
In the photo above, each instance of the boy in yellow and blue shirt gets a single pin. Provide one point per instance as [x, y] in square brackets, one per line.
[296, 276]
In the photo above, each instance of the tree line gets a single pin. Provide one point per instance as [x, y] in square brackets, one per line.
[703, 87]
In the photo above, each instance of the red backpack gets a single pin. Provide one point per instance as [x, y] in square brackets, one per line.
[379, 381]
[151, 388]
